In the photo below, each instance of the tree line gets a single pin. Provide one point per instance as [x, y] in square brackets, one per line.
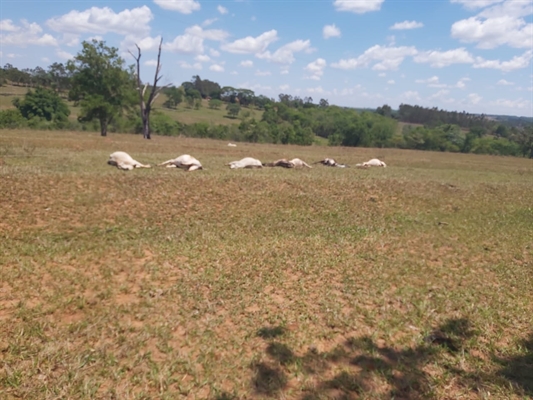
[108, 93]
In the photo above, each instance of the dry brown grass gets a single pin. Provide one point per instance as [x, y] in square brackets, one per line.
[412, 281]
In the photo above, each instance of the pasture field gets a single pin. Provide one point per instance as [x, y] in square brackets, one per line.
[181, 113]
[409, 282]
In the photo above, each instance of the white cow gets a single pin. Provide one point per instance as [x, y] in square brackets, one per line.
[374, 163]
[185, 161]
[330, 162]
[124, 161]
[247, 162]
[232, 145]
[283, 162]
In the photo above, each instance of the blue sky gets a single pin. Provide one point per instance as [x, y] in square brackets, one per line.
[471, 55]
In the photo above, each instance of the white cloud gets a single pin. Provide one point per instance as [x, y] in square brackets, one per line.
[430, 81]
[192, 42]
[391, 82]
[511, 8]
[262, 73]
[503, 82]
[202, 58]
[216, 68]
[247, 63]
[64, 55]
[7, 25]
[473, 98]
[187, 44]
[210, 21]
[284, 87]
[439, 95]
[209, 34]
[388, 58]
[439, 59]
[214, 53]
[382, 74]
[330, 31]
[519, 103]
[461, 83]
[186, 65]
[516, 62]
[71, 40]
[150, 63]
[284, 70]
[285, 54]
[407, 25]
[103, 20]
[182, 6]
[44, 59]
[251, 45]
[317, 90]
[494, 32]
[146, 44]
[316, 69]
[358, 6]
[410, 95]
[28, 34]
[222, 10]
[473, 4]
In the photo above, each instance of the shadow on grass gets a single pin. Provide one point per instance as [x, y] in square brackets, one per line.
[359, 365]
[518, 369]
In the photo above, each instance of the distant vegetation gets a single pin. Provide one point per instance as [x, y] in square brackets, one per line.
[202, 108]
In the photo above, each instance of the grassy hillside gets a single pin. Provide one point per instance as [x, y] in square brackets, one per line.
[181, 114]
[409, 282]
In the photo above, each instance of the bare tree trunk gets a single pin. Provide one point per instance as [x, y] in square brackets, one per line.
[103, 127]
[146, 107]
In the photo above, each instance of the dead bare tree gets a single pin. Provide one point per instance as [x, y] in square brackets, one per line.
[146, 106]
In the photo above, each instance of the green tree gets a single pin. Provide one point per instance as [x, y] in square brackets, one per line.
[42, 103]
[233, 110]
[100, 84]
[215, 104]
[174, 97]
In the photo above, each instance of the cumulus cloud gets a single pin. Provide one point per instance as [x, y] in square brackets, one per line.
[214, 53]
[391, 82]
[503, 82]
[209, 34]
[251, 45]
[358, 6]
[186, 44]
[494, 32]
[519, 103]
[316, 69]
[27, 34]
[202, 58]
[517, 62]
[439, 59]
[330, 31]
[473, 4]
[222, 10]
[145, 44]
[7, 25]
[216, 68]
[104, 20]
[383, 57]
[410, 95]
[407, 25]
[210, 21]
[192, 41]
[285, 54]
[284, 87]
[186, 65]
[64, 55]
[182, 6]
[263, 73]
[247, 64]
[473, 98]
[151, 63]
